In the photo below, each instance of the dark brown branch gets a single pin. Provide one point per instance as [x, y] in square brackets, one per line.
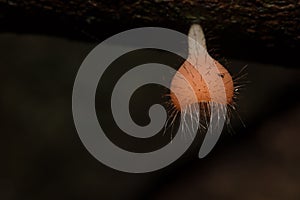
[262, 30]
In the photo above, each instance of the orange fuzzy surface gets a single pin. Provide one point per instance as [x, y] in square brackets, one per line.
[197, 86]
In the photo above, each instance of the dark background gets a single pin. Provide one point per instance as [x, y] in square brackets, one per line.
[42, 156]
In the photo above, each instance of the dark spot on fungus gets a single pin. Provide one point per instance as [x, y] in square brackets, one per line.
[221, 75]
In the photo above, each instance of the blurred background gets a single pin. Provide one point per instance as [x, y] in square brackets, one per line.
[42, 156]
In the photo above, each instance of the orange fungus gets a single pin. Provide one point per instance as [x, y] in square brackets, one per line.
[206, 79]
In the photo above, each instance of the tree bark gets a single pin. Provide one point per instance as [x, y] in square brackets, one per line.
[255, 30]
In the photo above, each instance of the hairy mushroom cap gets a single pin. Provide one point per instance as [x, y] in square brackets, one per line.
[195, 83]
